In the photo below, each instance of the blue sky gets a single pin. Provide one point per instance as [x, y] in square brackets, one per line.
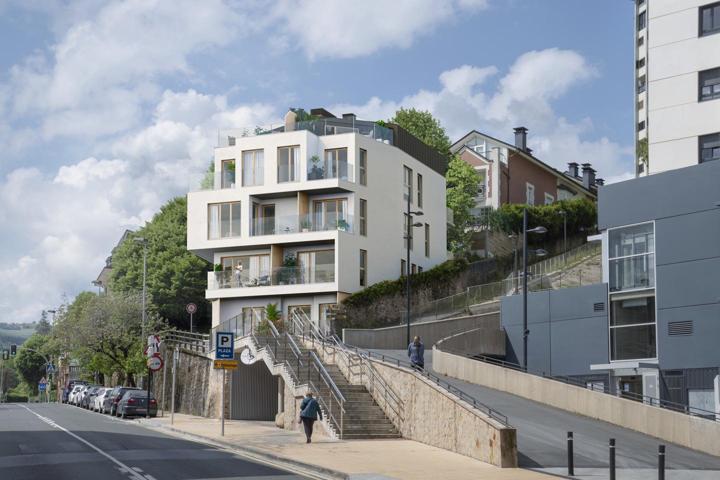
[108, 109]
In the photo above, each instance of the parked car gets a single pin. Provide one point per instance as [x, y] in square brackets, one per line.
[69, 389]
[98, 399]
[134, 403]
[78, 395]
[87, 396]
[72, 396]
[113, 398]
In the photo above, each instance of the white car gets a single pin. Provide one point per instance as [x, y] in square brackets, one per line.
[72, 398]
[98, 400]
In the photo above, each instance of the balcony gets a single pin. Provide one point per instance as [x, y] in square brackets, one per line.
[283, 225]
[277, 276]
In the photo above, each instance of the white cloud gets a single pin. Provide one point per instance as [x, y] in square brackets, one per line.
[522, 96]
[88, 170]
[333, 29]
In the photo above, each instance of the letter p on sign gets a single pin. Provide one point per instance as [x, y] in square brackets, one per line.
[224, 346]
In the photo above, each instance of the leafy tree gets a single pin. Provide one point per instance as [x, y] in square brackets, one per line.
[208, 181]
[43, 327]
[581, 217]
[425, 127]
[104, 333]
[175, 277]
[462, 187]
[29, 363]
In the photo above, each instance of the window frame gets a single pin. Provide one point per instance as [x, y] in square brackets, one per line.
[362, 165]
[700, 147]
[363, 268]
[293, 165]
[419, 189]
[363, 217]
[712, 96]
[427, 240]
[642, 20]
[529, 200]
[650, 255]
[258, 174]
[219, 205]
[711, 7]
[222, 172]
[614, 328]
[407, 184]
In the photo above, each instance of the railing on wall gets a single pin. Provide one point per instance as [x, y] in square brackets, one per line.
[194, 342]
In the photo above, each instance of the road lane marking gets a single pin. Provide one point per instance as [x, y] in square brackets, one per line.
[133, 474]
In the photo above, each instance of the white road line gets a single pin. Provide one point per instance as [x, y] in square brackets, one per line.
[133, 474]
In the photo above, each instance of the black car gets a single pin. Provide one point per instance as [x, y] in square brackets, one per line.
[134, 403]
[87, 398]
[112, 400]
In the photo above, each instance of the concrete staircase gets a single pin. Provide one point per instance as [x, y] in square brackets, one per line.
[363, 417]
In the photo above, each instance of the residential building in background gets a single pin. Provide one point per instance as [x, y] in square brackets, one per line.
[103, 279]
[510, 173]
[305, 213]
[677, 73]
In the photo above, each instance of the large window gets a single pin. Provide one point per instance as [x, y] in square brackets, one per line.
[331, 214]
[632, 257]
[288, 164]
[363, 167]
[223, 220]
[228, 174]
[252, 168]
[408, 183]
[246, 271]
[363, 268]
[632, 328]
[363, 217]
[709, 147]
[317, 266]
[335, 164]
[710, 19]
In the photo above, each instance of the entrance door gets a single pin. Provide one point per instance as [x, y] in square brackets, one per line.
[263, 219]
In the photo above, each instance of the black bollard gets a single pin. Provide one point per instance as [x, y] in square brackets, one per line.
[571, 463]
[612, 459]
[661, 462]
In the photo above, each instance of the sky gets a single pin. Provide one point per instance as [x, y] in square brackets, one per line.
[109, 109]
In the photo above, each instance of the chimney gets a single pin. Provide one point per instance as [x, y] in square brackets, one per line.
[599, 182]
[290, 120]
[588, 175]
[573, 169]
[349, 116]
[521, 138]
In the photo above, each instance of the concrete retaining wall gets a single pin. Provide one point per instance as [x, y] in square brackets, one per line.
[692, 432]
[431, 332]
[433, 416]
[480, 341]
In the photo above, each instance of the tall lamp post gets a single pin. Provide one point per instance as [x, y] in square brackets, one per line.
[539, 230]
[408, 238]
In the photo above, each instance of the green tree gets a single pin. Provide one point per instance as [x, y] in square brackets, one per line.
[462, 186]
[175, 277]
[425, 127]
[208, 181]
[29, 363]
[43, 327]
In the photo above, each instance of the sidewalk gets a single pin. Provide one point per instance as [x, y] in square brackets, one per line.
[397, 459]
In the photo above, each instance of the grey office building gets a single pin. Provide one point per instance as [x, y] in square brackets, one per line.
[653, 326]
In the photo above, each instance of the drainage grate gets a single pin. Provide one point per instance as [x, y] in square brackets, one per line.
[684, 327]
[599, 307]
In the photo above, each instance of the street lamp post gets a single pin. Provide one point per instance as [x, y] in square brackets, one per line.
[408, 238]
[526, 332]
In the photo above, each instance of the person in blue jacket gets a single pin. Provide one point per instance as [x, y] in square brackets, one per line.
[309, 413]
[416, 352]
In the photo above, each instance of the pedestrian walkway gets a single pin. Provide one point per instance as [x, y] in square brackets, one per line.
[376, 459]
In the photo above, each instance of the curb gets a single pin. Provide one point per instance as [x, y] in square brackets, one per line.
[253, 453]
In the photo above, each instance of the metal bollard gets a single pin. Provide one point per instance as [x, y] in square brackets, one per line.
[571, 462]
[612, 459]
[661, 462]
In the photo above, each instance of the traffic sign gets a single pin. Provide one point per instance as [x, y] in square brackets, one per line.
[153, 346]
[225, 364]
[247, 357]
[191, 308]
[41, 386]
[224, 346]
[50, 369]
[154, 363]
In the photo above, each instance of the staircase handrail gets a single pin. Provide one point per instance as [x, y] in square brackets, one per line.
[334, 391]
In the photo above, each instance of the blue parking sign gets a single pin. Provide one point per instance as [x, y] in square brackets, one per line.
[224, 346]
[41, 386]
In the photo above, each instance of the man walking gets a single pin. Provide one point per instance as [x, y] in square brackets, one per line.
[309, 413]
[416, 352]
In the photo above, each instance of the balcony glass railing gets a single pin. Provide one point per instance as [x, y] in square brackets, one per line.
[276, 276]
[325, 170]
[282, 225]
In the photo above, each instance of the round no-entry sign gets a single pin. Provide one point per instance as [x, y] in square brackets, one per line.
[191, 308]
[154, 363]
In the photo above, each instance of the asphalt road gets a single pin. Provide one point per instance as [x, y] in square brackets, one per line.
[63, 442]
[542, 435]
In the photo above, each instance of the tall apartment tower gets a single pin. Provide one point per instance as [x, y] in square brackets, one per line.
[677, 71]
[303, 214]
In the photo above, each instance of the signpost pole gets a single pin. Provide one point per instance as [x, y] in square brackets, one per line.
[162, 412]
[147, 404]
[191, 323]
[222, 406]
[172, 394]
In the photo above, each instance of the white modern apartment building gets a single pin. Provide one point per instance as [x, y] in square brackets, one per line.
[307, 213]
[677, 70]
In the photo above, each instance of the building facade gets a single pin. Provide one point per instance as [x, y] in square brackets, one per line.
[677, 72]
[653, 326]
[305, 214]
